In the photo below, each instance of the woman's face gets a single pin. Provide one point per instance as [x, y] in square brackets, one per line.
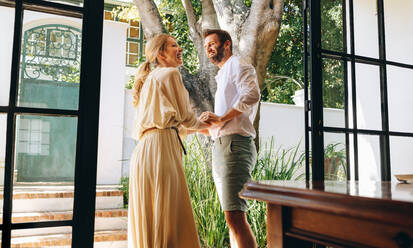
[172, 55]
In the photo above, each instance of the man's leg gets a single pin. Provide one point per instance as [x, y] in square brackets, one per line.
[240, 229]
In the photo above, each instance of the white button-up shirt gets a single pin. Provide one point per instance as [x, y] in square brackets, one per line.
[237, 87]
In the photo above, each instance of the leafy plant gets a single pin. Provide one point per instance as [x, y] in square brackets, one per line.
[335, 162]
[210, 220]
[213, 231]
[124, 181]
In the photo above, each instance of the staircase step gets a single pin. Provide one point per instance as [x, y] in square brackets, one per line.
[60, 198]
[63, 215]
[107, 239]
[108, 219]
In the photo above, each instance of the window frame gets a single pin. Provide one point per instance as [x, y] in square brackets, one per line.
[88, 118]
[312, 35]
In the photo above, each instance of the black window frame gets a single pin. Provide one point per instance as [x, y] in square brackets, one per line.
[88, 118]
[312, 11]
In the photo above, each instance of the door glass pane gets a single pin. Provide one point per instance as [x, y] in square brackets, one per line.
[369, 158]
[335, 162]
[351, 163]
[332, 25]
[333, 93]
[365, 28]
[401, 155]
[368, 97]
[349, 95]
[6, 49]
[50, 237]
[45, 154]
[3, 127]
[50, 61]
[400, 86]
[116, 143]
[398, 16]
[78, 3]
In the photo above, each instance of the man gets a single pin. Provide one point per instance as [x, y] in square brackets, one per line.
[234, 154]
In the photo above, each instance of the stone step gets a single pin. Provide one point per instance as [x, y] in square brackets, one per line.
[60, 198]
[108, 219]
[102, 239]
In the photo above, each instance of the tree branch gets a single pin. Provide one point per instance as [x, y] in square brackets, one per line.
[150, 17]
[209, 16]
[264, 19]
[190, 15]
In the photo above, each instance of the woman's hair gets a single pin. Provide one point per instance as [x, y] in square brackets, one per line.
[153, 46]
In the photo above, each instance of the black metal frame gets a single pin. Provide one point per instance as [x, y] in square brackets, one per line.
[88, 118]
[317, 127]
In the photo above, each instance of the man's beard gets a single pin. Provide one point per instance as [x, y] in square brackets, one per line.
[219, 56]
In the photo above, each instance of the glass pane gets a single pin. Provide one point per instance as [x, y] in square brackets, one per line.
[369, 158]
[52, 237]
[368, 97]
[365, 28]
[6, 49]
[335, 162]
[3, 128]
[78, 3]
[398, 42]
[45, 154]
[349, 95]
[401, 155]
[332, 25]
[351, 155]
[400, 86]
[333, 93]
[50, 61]
[115, 141]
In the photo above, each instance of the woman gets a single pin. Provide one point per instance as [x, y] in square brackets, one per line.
[160, 212]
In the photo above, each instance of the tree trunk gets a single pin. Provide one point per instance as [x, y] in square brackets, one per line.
[254, 32]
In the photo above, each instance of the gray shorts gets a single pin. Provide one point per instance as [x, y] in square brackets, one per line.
[233, 158]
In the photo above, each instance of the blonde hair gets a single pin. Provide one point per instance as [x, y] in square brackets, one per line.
[153, 46]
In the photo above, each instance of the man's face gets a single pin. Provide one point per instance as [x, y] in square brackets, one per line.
[214, 49]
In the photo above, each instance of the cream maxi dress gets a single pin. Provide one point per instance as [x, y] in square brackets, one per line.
[160, 212]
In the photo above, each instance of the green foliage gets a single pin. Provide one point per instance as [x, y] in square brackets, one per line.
[175, 21]
[335, 162]
[283, 164]
[124, 181]
[287, 56]
[130, 83]
[212, 229]
[279, 89]
[126, 13]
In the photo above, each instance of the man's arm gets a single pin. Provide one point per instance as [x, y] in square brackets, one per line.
[248, 89]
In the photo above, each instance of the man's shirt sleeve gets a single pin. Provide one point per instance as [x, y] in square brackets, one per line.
[247, 86]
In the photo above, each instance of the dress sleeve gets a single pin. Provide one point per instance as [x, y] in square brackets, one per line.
[247, 86]
[177, 96]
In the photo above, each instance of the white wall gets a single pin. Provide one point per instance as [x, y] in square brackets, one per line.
[112, 103]
[129, 142]
[285, 123]
[6, 49]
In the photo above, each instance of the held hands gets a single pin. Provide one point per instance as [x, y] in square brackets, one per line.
[211, 118]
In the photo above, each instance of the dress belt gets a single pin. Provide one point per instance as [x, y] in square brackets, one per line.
[177, 134]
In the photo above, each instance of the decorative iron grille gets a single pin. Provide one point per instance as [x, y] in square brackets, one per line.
[51, 52]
